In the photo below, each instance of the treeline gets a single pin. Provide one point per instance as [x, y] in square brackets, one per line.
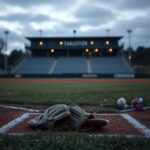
[141, 56]
[12, 60]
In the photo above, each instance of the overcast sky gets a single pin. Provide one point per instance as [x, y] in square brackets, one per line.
[89, 17]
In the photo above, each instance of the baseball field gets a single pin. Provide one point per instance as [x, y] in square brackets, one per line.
[94, 95]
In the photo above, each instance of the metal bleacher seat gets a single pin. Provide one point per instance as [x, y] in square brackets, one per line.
[74, 65]
[110, 65]
[2, 71]
[71, 65]
[34, 65]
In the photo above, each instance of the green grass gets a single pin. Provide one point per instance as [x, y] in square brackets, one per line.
[71, 93]
[71, 141]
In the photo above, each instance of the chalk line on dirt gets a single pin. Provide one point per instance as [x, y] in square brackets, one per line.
[136, 124]
[19, 108]
[13, 123]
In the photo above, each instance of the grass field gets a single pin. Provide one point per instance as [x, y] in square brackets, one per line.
[71, 141]
[90, 93]
[82, 93]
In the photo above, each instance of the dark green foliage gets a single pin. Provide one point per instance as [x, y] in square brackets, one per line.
[141, 56]
[71, 141]
[2, 61]
[15, 57]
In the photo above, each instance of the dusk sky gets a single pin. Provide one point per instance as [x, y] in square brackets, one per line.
[89, 17]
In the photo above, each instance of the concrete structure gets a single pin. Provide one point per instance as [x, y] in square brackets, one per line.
[74, 46]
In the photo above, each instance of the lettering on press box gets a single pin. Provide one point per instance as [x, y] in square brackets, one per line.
[75, 43]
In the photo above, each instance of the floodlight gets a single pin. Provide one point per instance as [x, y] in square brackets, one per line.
[129, 57]
[110, 50]
[52, 50]
[96, 50]
[61, 43]
[41, 43]
[107, 42]
[86, 50]
[92, 42]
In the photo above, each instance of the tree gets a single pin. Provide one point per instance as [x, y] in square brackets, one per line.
[141, 56]
[2, 61]
[1, 44]
[15, 57]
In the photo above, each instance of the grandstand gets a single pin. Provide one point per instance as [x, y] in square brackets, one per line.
[33, 65]
[70, 65]
[113, 65]
[1, 71]
[74, 55]
[77, 65]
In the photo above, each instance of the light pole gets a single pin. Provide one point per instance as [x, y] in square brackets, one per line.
[129, 31]
[6, 32]
[40, 32]
[74, 32]
[107, 31]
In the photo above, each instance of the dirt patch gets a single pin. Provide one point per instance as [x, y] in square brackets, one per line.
[7, 115]
[87, 80]
[142, 116]
[23, 127]
[117, 125]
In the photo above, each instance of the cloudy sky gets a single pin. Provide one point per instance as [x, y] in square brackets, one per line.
[89, 17]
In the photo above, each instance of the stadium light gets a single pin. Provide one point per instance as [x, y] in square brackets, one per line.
[61, 43]
[107, 42]
[52, 50]
[129, 31]
[41, 43]
[6, 45]
[107, 32]
[86, 50]
[110, 50]
[130, 57]
[92, 42]
[74, 32]
[96, 50]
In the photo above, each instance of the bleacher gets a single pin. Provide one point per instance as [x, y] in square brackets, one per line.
[107, 65]
[70, 65]
[34, 65]
[74, 65]
[2, 71]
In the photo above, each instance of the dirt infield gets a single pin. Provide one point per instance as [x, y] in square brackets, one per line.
[8, 114]
[15, 120]
[84, 80]
[143, 117]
